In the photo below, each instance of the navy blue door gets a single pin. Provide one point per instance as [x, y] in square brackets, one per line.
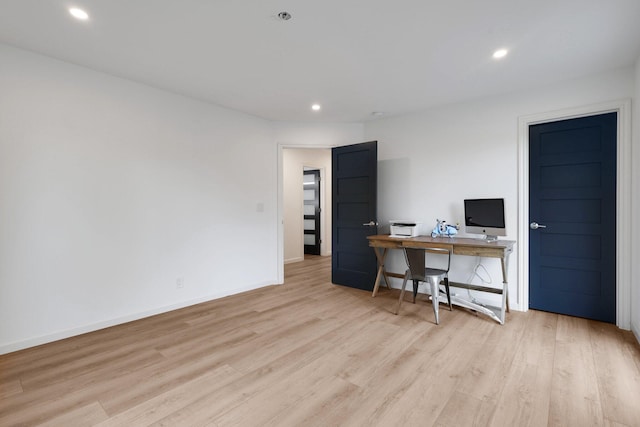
[354, 193]
[572, 215]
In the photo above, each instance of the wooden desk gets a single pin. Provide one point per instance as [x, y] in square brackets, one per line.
[500, 249]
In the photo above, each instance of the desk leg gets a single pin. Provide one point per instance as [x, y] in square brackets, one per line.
[380, 256]
[504, 261]
[387, 283]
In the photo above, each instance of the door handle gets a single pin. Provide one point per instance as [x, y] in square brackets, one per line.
[371, 224]
[534, 226]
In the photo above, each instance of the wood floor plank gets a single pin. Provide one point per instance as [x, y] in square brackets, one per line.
[392, 395]
[575, 398]
[435, 381]
[205, 410]
[75, 368]
[280, 342]
[10, 388]
[384, 356]
[174, 399]
[524, 400]
[88, 415]
[616, 375]
[157, 379]
[277, 399]
[48, 409]
[36, 406]
[206, 341]
[464, 410]
[60, 353]
[320, 400]
[485, 375]
[609, 423]
[310, 353]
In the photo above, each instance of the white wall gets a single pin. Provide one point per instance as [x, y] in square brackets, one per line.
[429, 162]
[635, 208]
[317, 135]
[110, 191]
[294, 161]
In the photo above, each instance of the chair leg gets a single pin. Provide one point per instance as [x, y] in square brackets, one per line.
[435, 292]
[415, 290]
[446, 286]
[404, 285]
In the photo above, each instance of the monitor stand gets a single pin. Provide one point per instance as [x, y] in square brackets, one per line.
[491, 238]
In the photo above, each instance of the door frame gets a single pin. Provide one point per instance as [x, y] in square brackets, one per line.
[623, 200]
[280, 202]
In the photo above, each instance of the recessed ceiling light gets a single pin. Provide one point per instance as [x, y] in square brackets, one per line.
[316, 107]
[79, 13]
[500, 53]
[284, 16]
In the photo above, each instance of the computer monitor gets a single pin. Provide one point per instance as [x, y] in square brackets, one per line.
[485, 216]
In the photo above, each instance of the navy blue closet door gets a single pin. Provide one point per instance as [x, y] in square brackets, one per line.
[572, 196]
[354, 215]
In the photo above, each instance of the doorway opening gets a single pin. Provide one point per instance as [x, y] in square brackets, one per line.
[312, 188]
[297, 228]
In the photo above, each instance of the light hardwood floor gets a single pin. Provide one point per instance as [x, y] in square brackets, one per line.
[309, 353]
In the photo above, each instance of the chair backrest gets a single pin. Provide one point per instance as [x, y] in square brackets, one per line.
[415, 258]
[416, 261]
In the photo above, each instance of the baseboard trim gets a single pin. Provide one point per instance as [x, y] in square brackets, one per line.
[636, 331]
[45, 339]
[292, 260]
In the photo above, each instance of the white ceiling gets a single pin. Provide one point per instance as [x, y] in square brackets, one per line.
[352, 56]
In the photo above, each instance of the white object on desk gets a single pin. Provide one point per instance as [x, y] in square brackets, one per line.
[404, 228]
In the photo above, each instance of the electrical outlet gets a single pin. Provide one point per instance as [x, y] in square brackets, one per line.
[179, 283]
